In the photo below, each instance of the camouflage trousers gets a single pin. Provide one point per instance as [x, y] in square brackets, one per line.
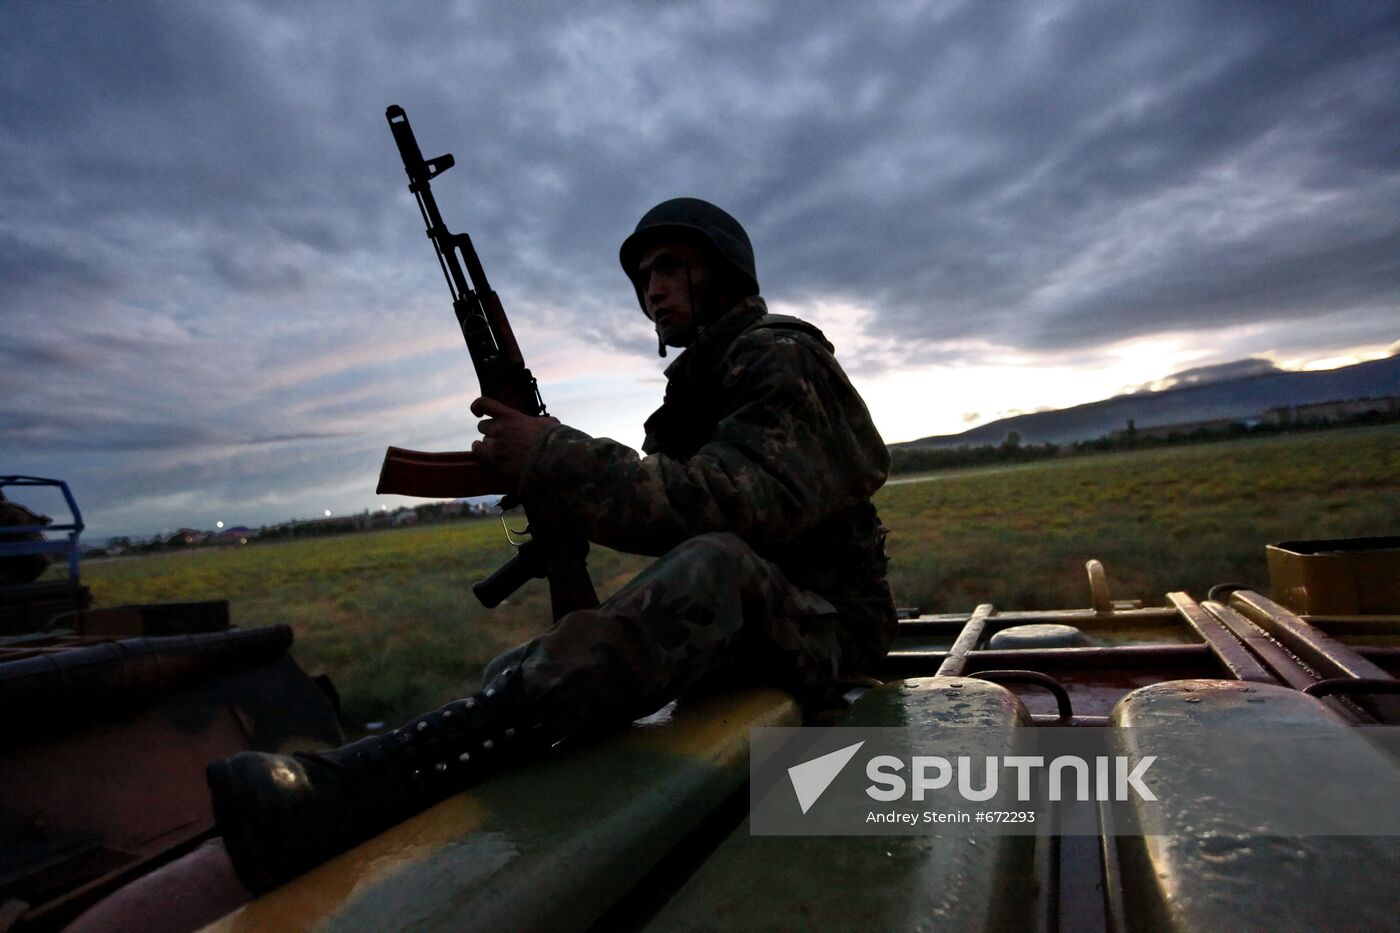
[709, 615]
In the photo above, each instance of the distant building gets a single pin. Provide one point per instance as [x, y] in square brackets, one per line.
[1316, 413]
[236, 535]
[1185, 427]
[1334, 411]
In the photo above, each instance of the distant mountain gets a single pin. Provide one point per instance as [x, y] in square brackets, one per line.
[1196, 395]
[1220, 372]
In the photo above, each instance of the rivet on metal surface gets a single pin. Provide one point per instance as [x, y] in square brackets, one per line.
[464, 757]
[488, 745]
[441, 766]
[447, 714]
[422, 727]
[490, 691]
[469, 702]
[510, 733]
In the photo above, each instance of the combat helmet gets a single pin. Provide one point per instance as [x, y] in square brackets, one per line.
[697, 221]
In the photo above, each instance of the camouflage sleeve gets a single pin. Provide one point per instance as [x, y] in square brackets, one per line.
[794, 446]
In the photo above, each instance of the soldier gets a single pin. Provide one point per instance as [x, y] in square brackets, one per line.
[754, 494]
[21, 568]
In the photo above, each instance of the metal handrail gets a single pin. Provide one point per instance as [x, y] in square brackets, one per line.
[1062, 700]
[73, 528]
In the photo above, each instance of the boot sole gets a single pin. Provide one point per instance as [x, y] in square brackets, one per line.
[232, 817]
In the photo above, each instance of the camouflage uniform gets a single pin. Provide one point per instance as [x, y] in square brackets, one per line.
[756, 495]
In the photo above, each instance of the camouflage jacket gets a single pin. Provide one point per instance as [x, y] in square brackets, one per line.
[760, 434]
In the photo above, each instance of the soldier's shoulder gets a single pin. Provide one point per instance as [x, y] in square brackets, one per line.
[780, 351]
[780, 335]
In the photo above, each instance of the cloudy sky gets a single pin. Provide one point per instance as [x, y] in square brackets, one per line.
[218, 302]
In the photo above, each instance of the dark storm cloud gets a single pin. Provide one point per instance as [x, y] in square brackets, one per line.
[1041, 176]
[1113, 171]
[206, 236]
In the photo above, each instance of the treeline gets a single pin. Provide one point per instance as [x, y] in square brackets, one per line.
[429, 513]
[1011, 450]
[931, 459]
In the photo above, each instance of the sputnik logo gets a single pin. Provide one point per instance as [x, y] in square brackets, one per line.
[811, 778]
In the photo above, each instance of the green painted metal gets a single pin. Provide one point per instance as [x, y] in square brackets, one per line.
[622, 833]
[888, 883]
[548, 847]
[1200, 864]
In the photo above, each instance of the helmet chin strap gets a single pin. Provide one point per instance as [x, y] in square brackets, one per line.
[694, 314]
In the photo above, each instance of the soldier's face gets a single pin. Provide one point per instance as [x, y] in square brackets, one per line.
[675, 283]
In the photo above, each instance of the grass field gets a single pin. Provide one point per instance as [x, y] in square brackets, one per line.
[1173, 518]
[390, 616]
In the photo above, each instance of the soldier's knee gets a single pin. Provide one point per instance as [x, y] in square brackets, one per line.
[718, 555]
[721, 546]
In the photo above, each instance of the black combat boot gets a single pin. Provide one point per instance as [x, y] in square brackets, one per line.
[283, 815]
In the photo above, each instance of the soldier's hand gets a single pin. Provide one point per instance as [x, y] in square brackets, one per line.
[507, 436]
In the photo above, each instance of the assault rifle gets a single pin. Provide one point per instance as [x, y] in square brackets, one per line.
[501, 371]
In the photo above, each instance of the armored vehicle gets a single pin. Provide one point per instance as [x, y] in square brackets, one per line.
[104, 809]
[109, 717]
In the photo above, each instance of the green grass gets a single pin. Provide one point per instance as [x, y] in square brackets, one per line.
[390, 615]
[1174, 518]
